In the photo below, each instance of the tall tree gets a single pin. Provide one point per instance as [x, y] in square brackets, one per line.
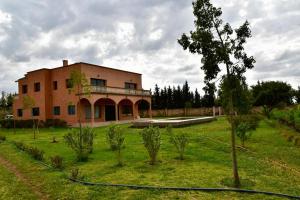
[170, 101]
[208, 99]
[156, 97]
[197, 101]
[219, 44]
[297, 95]
[3, 100]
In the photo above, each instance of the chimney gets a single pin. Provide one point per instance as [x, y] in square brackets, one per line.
[65, 62]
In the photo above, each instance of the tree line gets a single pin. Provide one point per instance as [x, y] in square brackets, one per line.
[182, 97]
[264, 93]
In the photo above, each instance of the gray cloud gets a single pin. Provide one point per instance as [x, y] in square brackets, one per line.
[141, 35]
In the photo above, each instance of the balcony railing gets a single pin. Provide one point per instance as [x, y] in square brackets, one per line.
[115, 90]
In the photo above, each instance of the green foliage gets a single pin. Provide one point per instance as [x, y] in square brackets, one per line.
[2, 138]
[81, 142]
[35, 153]
[115, 138]
[245, 125]
[266, 111]
[76, 174]
[151, 140]
[241, 99]
[111, 135]
[10, 123]
[56, 162]
[289, 117]
[180, 142]
[20, 145]
[272, 94]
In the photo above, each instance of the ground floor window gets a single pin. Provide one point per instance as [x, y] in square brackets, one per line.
[36, 111]
[56, 110]
[20, 112]
[71, 109]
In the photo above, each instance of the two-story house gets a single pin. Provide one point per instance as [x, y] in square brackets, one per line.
[115, 95]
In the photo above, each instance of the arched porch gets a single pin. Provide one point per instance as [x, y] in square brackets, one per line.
[105, 109]
[143, 108]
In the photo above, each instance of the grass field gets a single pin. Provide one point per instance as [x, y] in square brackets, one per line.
[270, 163]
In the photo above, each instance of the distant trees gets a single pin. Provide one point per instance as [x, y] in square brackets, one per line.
[6, 100]
[182, 97]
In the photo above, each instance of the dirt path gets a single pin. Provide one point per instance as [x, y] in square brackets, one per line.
[12, 168]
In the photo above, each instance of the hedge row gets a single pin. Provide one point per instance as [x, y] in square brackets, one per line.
[288, 117]
[10, 123]
[33, 151]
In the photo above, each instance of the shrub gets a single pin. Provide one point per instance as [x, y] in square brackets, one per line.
[245, 124]
[35, 153]
[180, 141]
[111, 135]
[76, 174]
[151, 141]
[21, 146]
[81, 142]
[2, 138]
[297, 140]
[55, 123]
[57, 162]
[119, 141]
[10, 123]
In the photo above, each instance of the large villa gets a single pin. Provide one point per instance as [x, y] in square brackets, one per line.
[115, 95]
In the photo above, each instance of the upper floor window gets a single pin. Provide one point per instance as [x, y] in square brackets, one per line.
[54, 85]
[37, 87]
[36, 111]
[69, 83]
[24, 89]
[98, 82]
[71, 109]
[56, 110]
[20, 112]
[131, 86]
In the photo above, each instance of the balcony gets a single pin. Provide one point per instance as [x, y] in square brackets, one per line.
[115, 90]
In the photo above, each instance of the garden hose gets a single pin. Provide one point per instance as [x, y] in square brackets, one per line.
[186, 189]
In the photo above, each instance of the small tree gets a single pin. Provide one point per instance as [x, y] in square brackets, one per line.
[245, 126]
[81, 142]
[28, 104]
[151, 141]
[111, 135]
[180, 141]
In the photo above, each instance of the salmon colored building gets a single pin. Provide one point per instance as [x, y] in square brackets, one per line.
[115, 95]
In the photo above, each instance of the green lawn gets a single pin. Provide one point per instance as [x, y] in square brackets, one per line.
[207, 164]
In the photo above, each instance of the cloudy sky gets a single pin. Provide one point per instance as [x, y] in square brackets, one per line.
[141, 36]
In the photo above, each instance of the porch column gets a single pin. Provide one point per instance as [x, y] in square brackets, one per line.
[116, 110]
[92, 115]
[150, 110]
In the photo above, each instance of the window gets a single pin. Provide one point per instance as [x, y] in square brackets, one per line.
[24, 89]
[54, 85]
[69, 83]
[71, 110]
[35, 111]
[56, 110]
[127, 110]
[20, 112]
[98, 82]
[37, 87]
[131, 86]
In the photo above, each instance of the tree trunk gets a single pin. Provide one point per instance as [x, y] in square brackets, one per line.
[234, 158]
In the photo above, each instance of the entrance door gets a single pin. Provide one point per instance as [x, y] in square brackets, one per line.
[88, 112]
[110, 113]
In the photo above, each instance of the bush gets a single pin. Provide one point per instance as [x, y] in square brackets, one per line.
[81, 142]
[111, 135]
[21, 146]
[245, 124]
[10, 123]
[180, 141]
[2, 138]
[151, 141]
[76, 174]
[35, 153]
[297, 140]
[57, 162]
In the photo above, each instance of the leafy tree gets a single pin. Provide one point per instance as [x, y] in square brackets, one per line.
[180, 141]
[170, 100]
[156, 98]
[272, 93]
[28, 104]
[219, 44]
[209, 96]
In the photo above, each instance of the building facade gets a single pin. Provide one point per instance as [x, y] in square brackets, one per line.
[114, 95]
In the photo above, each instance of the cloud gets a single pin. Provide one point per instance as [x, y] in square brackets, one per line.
[141, 36]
